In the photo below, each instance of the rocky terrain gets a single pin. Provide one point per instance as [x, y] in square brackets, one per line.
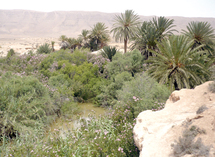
[186, 126]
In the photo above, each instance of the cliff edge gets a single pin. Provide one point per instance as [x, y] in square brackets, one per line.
[185, 127]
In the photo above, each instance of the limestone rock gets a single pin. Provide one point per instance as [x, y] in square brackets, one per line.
[155, 132]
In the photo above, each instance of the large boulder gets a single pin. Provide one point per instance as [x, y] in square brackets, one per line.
[189, 114]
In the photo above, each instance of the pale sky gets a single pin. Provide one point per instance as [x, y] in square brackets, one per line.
[186, 8]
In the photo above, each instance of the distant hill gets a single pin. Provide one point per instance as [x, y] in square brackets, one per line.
[25, 23]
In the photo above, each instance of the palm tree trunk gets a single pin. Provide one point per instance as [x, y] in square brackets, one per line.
[125, 45]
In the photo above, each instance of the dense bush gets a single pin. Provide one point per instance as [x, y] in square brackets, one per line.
[131, 62]
[25, 104]
[109, 135]
[109, 90]
[143, 93]
[10, 53]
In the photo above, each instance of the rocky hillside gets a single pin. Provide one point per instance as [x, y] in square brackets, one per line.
[185, 127]
[24, 23]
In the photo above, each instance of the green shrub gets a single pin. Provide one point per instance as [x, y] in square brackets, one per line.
[108, 136]
[10, 53]
[131, 62]
[25, 104]
[62, 95]
[108, 94]
[45, 48]
[143, 93]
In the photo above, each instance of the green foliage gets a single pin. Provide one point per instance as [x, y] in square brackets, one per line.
[99, 36]
[130, 62]
[150, 32]
[44, 49]
[143, 93]
[177, 65]
[10, 53]
[62, 95]
[25, 104]
[125, 27]
[108, 136]
[203, 34]
[109, 91]
[108, 52]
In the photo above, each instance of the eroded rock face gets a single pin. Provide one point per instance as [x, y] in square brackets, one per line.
[155, 132]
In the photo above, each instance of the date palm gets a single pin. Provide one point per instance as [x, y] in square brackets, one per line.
[125, 27]
[163, 26]
[177, 64]
[145, 39]
[64, 43]
[202, 33]
[150, 32]
[99, 36]
[84, 36]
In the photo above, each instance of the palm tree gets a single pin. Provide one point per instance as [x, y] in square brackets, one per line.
[177, 64]
[99, 36]
[74, 43]
[150, 32]
[64, 43]
[202, 33]
[52, 43]
[84, 36]
[145, 39]
[163, 26]
[108, 52]
[125, 27]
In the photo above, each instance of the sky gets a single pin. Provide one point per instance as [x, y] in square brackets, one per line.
[186, 8]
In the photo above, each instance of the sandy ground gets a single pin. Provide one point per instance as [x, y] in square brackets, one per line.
[24, 45]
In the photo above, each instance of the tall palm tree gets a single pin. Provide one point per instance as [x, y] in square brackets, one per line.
[201, 33]
[145, 39]
[150, 32]
[125, 27]
[177, 64]
[99, 36]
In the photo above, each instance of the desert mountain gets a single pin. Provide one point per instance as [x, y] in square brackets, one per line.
[25, 23]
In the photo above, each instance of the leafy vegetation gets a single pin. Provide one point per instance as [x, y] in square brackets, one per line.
[37, 88]
[178, 65]
[125, 27]
[44, 49]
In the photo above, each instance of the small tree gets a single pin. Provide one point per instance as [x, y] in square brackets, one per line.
[108, 52]
[44, 49]
[52, 42]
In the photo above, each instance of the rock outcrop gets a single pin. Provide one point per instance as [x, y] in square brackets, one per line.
[188, 111]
